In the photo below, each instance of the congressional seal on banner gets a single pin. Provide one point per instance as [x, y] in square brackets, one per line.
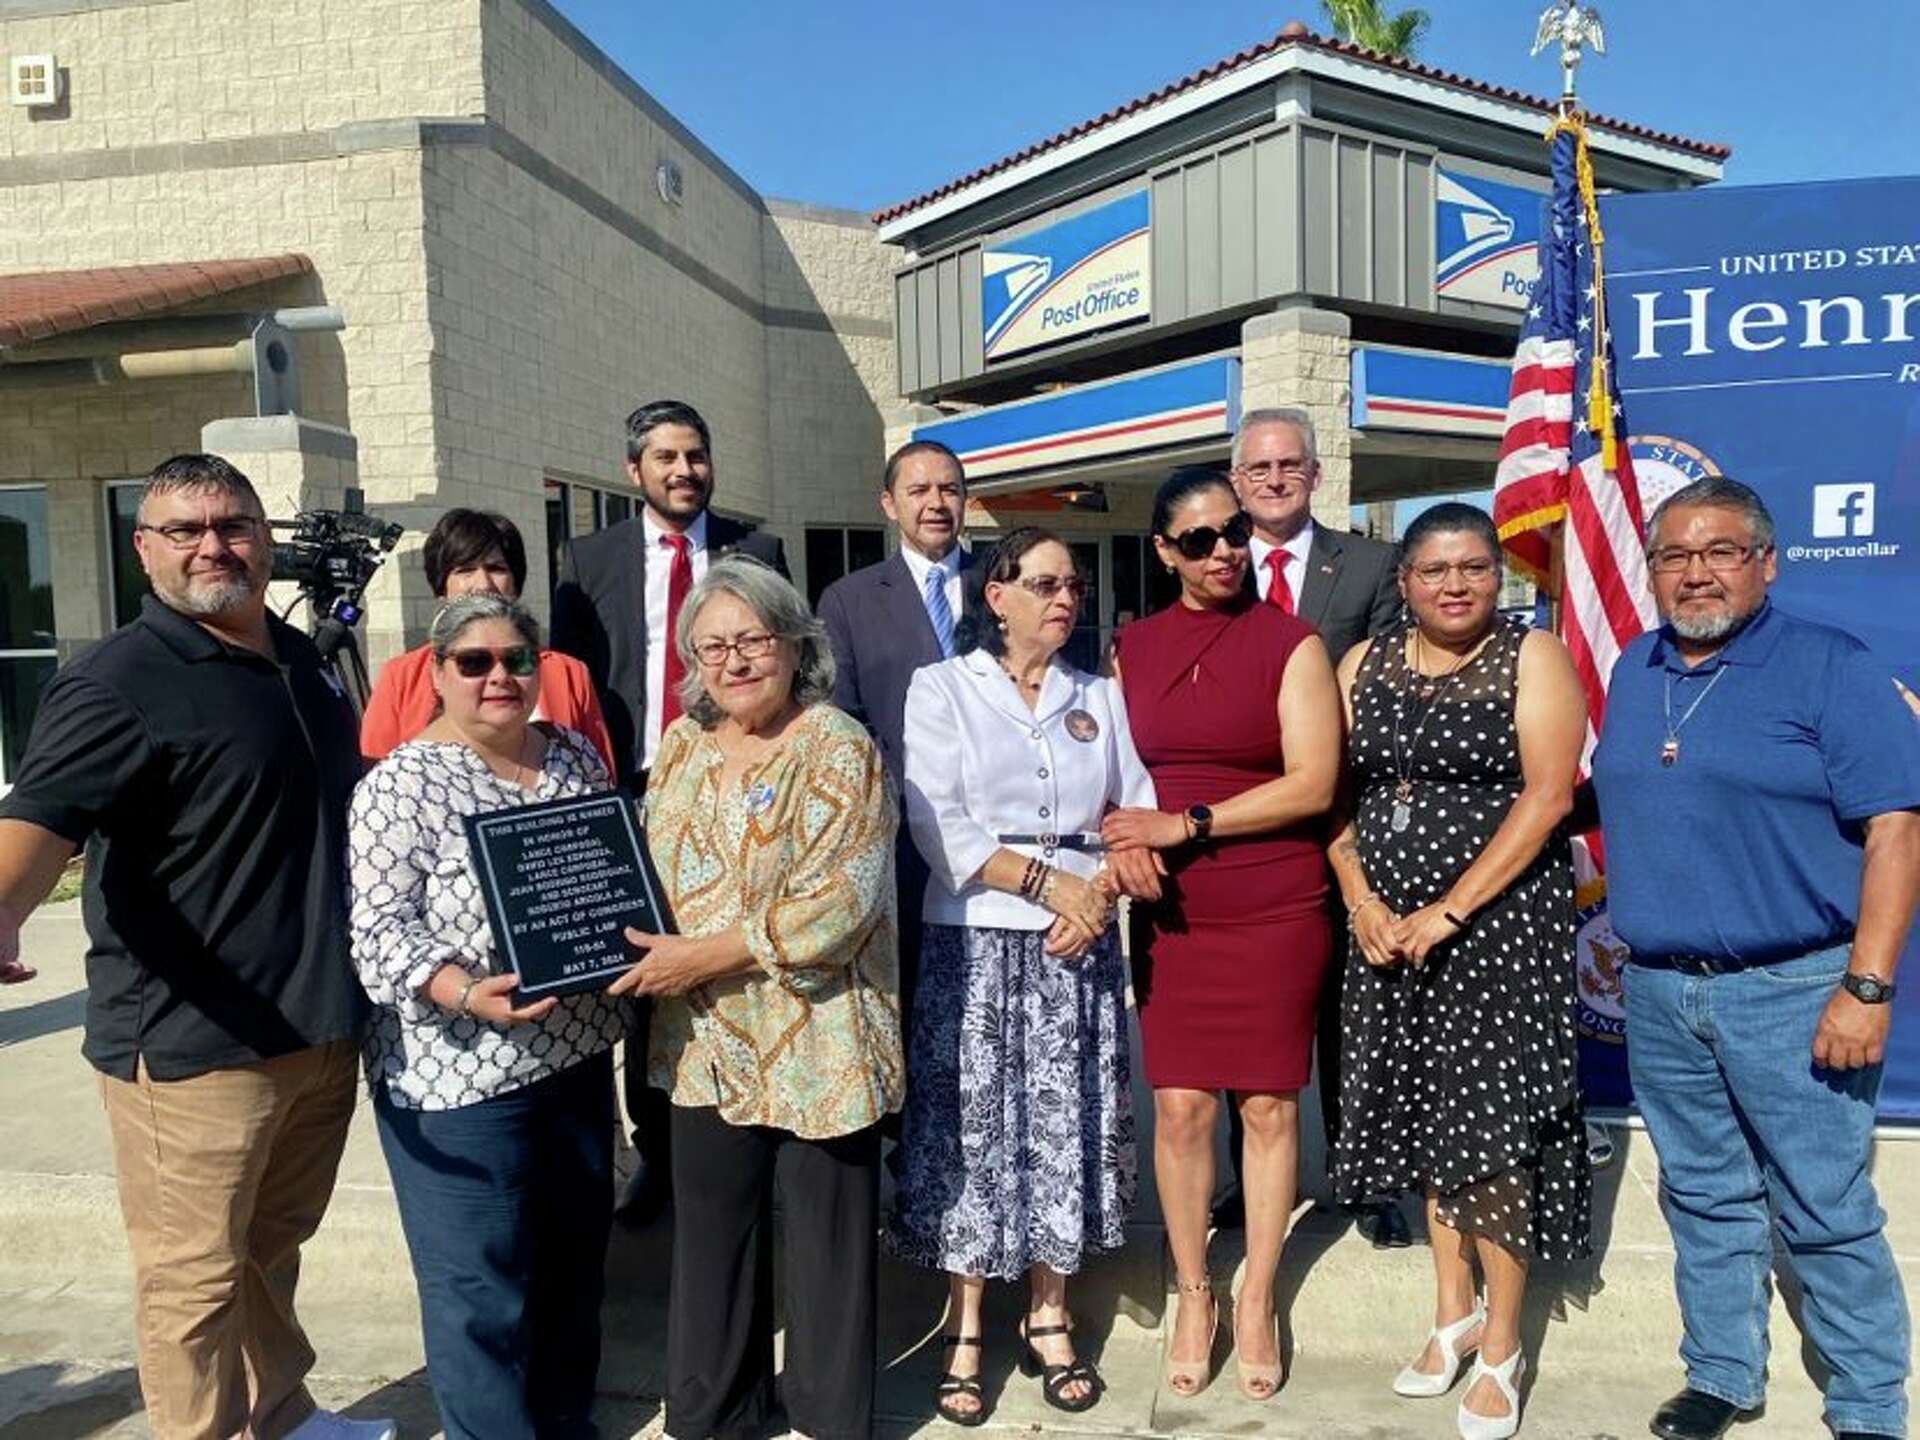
[1600, 957]
[1662, 464]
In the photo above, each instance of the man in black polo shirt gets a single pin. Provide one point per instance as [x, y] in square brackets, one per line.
[205, 756]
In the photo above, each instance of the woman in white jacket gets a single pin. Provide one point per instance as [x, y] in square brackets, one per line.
[1017, 1148]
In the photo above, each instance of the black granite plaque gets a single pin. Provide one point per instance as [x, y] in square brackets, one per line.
[562, 879]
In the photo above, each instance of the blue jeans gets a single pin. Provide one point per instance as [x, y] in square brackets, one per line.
[506, 1206]
[1748, 1132]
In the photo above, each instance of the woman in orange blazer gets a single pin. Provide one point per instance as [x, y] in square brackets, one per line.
[469, 551]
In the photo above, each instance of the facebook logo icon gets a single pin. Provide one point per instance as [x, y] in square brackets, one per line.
[1842, 511]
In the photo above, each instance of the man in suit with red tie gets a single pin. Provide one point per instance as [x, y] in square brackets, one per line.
[1346, 587]
[885, 621]
[616, 601]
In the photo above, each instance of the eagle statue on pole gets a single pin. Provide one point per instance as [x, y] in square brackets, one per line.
[1574, 25]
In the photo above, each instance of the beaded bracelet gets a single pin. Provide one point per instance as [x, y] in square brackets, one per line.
[1046, 887]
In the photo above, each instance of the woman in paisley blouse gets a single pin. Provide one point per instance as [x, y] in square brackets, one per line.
[776, 1024]
[496, 1117]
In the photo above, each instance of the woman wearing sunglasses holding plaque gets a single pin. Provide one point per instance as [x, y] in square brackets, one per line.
[1017, 1154]
[496, 1117]
[1236, 714]
[1460, 1053]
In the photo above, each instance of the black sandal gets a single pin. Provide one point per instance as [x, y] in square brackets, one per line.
[1054, 1379]
[951, 1385]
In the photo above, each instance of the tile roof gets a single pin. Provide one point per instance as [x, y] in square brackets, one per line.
[1295, 34]
[57, 302]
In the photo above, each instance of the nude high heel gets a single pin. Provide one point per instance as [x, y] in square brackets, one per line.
[1188, 1378]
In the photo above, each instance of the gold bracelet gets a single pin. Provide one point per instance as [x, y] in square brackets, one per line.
[1353, 911]
[1046, 888]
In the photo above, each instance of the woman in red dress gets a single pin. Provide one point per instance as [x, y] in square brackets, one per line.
[1235, 711]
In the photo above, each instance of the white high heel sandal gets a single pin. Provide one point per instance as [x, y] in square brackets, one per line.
[1417, 1384]
[1507, 1376]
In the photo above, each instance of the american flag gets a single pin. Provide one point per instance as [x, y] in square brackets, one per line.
[1565, 480]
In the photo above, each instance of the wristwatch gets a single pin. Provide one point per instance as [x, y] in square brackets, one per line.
[1200, 817]
[1867, 989]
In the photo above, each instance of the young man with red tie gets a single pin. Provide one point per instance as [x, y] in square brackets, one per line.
[615, 603]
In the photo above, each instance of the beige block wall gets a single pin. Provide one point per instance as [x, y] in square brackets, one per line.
[826, 388]
[542, 91]
[549, 326]
[1302, 359]
[198, 70]
[74, 440]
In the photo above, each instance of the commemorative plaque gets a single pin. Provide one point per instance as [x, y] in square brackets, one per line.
[562, 879]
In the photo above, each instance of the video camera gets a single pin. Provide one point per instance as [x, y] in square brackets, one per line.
[332, 555]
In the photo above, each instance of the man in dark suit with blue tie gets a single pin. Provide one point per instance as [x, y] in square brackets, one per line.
[615, 603]
[887, 620]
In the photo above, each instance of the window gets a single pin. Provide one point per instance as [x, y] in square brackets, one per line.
[559, 527]
[27, 654]
[127, 582]
[1141, 584]
[832, 553]
[618, 508]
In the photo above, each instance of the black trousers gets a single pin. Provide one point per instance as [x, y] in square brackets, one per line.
[646, 1107]
[720, 1318]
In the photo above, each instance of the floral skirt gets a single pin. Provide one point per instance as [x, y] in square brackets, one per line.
[1017, 1141]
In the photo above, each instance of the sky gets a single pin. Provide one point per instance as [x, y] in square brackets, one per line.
[860, 104]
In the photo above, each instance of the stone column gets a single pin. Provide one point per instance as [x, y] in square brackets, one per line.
[1300, 357]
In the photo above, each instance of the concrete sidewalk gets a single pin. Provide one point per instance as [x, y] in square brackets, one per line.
[1600, 1337]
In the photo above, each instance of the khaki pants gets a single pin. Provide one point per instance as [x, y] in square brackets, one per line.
[222, 1178]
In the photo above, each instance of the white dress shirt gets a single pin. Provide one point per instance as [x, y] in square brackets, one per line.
[1294, 567]
[980, 764]
[919, 565]
[659, 575]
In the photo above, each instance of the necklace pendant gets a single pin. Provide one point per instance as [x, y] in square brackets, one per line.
[1670, 750]
[1401, 818]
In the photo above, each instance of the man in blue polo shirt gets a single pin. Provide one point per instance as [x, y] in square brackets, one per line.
[1759, 788]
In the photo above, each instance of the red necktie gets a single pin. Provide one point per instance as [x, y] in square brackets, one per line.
[1278, 591]
[679, 582]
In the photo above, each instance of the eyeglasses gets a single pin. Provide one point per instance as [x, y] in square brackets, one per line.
[1198, 543]
[755, 645]
[1283, 475]
[187, 534]
[476, 662]
[1721, 557]
[1434, 573]
[1045, 587]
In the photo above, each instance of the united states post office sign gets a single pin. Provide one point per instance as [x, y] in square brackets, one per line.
[1486, 239]
[1078, 276]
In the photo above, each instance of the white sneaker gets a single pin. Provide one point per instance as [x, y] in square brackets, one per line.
[328, 1425]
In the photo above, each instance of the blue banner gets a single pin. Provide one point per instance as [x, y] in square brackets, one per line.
[1772, 334]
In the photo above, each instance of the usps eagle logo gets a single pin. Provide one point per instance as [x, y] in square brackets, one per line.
[1009, 280]
[1486, 239]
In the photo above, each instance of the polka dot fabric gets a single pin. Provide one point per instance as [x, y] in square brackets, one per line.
[1459, 1078]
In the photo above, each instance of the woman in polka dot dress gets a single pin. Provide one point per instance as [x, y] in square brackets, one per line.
[1459, 1076]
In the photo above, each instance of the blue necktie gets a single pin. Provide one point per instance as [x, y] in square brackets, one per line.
[939, 611]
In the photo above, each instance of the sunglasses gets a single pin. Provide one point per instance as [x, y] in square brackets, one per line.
[477, 663]
[1198, 543]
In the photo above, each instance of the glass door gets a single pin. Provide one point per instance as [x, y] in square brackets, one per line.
[27, 653]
